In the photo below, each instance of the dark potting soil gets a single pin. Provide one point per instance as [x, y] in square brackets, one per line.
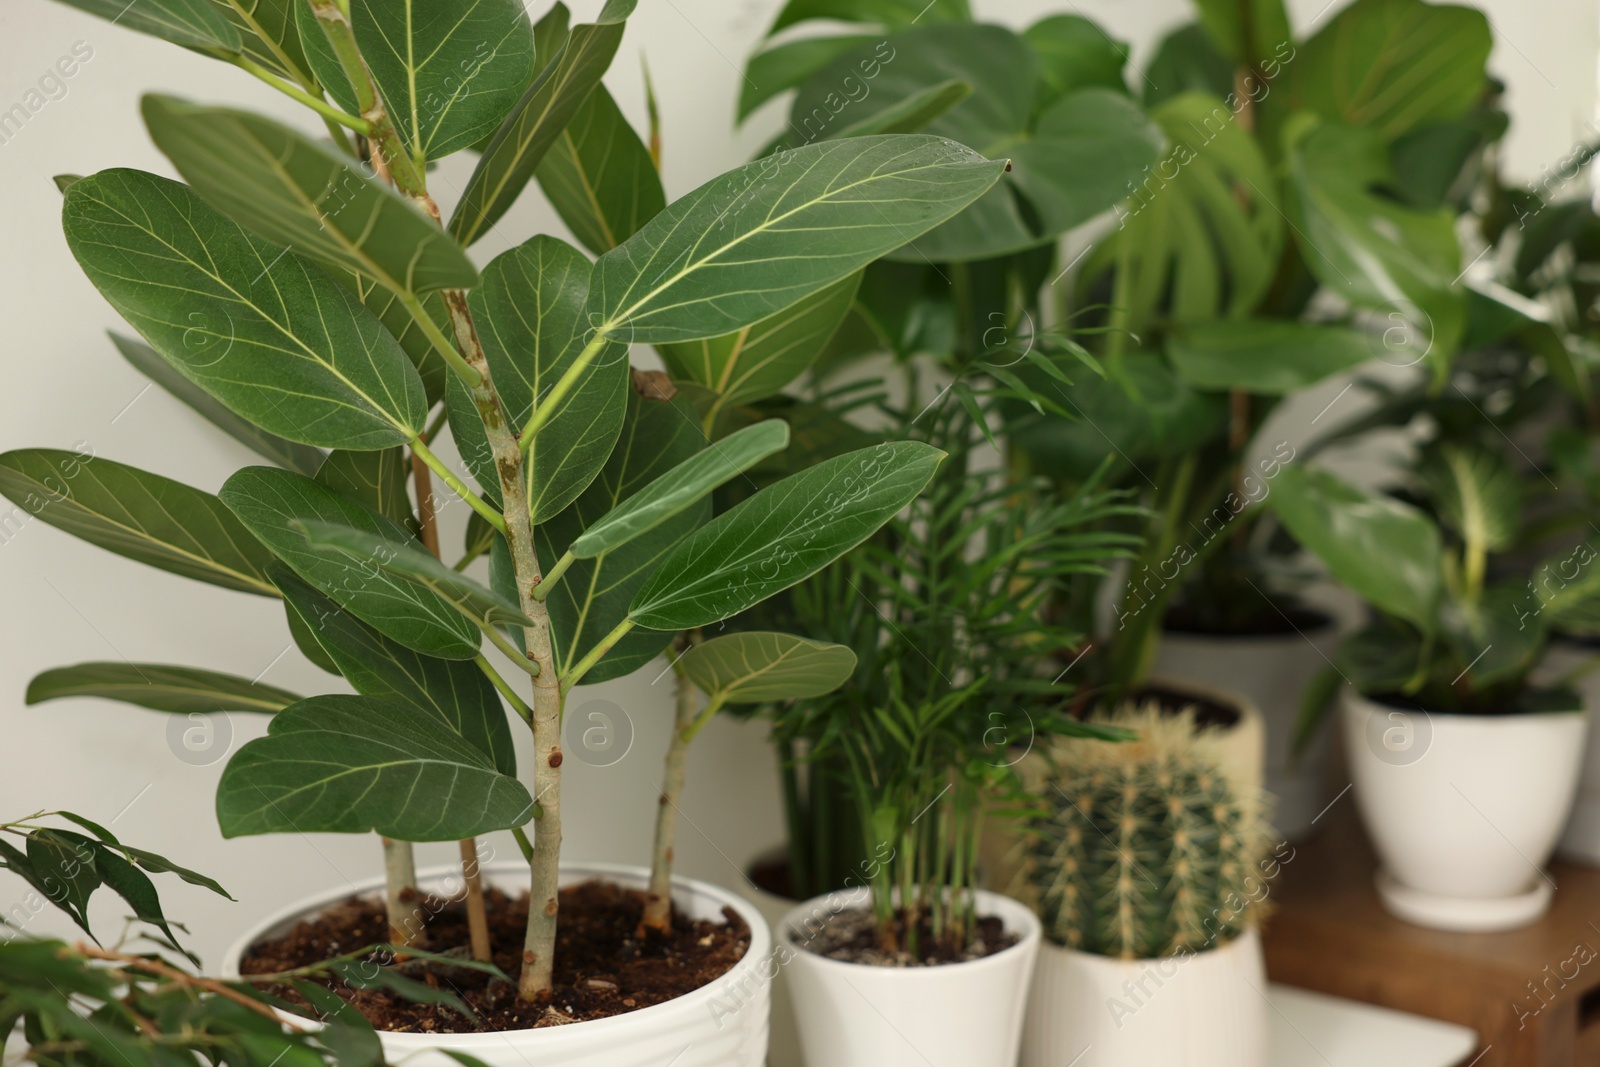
[852, 936]
[602, 969]
[1172, 701]
[1271, 621]
[773, 876]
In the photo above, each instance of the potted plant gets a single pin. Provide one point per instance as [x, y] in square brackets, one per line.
[951, 687]
[1441, 720]
[1150, 871]
[311, 293]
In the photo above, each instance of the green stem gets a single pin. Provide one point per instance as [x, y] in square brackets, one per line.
[294, 92]
[513, 653]
[440, 342]
[518, 705]
[703, 720]
[575, 675]
[546, 406]
[542, 590]
[408, 175]
[446, 475]
[523, 843]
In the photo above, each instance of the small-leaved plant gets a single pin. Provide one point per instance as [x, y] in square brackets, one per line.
[309, 291]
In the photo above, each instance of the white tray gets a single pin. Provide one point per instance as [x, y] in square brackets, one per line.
[1316, 1030]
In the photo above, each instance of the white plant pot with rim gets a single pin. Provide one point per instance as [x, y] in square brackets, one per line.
[1580, 840]
[1207, 1009]
[783, 1049]
[721, 1024]
[1463, 810]
[955, 1015]
[1271, 671]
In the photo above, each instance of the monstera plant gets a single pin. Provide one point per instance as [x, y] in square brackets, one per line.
[305, 296]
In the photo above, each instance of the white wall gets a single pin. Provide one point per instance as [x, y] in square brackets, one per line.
[65, 387]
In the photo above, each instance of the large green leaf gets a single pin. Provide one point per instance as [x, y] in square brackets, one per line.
[1187, 61]
[447, 71]
[531, 129]
[137, 514]
[782, 535]
[759, 360]
[397, 319]
[1075, 53]
[879, 12]
[1050, 158]
[1367, 247]
[407, 560]
[529, 312]
[290, 455]
[287, 188]
[159, 687]
[268, 501]
[376, 480]
[760, 667]
[1271, 356]
[593, 596]
[599, 176]
[269, 35]
[787, 66]
[456, 692]
[770, 233]
[191, 23]
[351, 764]
[681, 487]
[1201, 235]
[268, 334]
[1246, 30]
[1393, 65]
[1383, 550]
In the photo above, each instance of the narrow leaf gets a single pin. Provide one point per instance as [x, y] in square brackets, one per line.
[599, 176]
[158, 687]
[137, 514]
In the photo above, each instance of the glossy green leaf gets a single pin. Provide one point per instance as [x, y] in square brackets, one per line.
[448, 72]
[137, 514]
[761, 667]
[1385, 551]
[681, 487]
[65, 862]
[599, 176]
[290, 189]
[455, 692]
[405, 559]
[593, 596]
[268, 501]
[782, 535]
[529, 312]
[302, 459]
[914, 112]
[376, 480]
[306, 640]
[787, 66]
[191, 23]
[880, 12]
[531, 129]
[1269, 356]
[758, 361]
[1373, 251]
[1202, 233]
[352, 764]
[1075, 53]
[770, 233]
[1393, 65]
[269, 35]
[137, 891]
[158, 687]
[265, 332]
[391, 311]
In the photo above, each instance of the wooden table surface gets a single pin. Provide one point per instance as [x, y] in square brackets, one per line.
[1533, 995]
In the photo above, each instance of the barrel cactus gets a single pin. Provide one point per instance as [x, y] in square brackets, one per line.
[1146, 848]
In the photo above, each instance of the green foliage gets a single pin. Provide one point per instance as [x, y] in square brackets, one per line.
[599, 176]
[1146, 849]
[759, 667]
[186, 690]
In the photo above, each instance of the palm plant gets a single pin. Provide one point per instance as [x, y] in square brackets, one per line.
[308, 296]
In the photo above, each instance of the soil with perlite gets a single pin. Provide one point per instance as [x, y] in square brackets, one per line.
[602, 969]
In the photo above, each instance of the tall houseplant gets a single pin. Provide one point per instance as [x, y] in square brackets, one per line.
[313, 293]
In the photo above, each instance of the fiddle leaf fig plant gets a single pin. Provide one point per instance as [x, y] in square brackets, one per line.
[314, 292]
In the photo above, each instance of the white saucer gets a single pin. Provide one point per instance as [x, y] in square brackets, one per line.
[1464, 914]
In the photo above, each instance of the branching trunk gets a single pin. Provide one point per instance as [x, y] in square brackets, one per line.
[400, 895]
[658, 903]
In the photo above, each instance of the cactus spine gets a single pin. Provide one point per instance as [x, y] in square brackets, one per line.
[1148, 848]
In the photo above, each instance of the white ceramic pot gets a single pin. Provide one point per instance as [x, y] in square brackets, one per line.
[1208, 1009]
[723, 1024]
[1271, 672]
[957, 1015]
[783, 1050]
[1580, 841]
[1463, 810]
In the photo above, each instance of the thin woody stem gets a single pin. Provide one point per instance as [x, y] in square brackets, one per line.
[400, 894]
[172, 974]
[658, 901]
